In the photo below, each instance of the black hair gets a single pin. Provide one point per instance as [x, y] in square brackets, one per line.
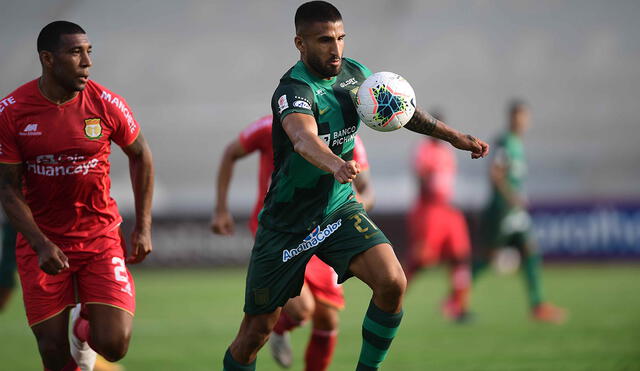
[315, 11]
[49, 37]
[515, 105]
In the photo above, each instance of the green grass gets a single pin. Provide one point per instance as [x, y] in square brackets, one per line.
[186, 318]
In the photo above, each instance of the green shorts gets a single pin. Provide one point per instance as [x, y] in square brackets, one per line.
[501, 228]
[278, 259]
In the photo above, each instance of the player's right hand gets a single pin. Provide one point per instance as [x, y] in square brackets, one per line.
[347, 172]
[50, 258]
[222, 223]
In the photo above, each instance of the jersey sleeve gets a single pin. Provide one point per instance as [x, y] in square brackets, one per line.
[360, 154]
[9, 153]
[292, 97]
[257, 135]
[124, 125]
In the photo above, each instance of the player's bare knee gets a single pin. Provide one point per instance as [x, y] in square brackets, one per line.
[112, 347]
[393, 285]
[325, 318]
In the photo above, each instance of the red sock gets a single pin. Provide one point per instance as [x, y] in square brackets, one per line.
[320, 350]
[71, 366]
[81, 329]
[460, 283]
[285, 323]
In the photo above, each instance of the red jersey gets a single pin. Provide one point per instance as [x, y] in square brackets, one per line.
[257, 137]
[435, 164]
[65, 151]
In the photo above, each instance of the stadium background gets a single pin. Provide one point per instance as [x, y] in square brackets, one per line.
[196, 72]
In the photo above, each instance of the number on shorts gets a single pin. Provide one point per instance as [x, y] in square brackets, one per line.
[120, 270]
[358, 220]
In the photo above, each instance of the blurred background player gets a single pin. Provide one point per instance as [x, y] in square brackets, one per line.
[437, 230]
[7, 264]
[505, 220]
[321, 297]
[56, 133]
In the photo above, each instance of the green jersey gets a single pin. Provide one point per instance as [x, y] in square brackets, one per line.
[302, 195]
[509, 153]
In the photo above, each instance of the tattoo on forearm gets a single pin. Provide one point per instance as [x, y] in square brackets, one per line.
[422, 122]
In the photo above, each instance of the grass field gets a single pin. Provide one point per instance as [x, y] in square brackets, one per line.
[186, 318]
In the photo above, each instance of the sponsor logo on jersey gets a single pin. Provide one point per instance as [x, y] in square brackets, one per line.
[61, 164]
[320, 92]
[92, 128]
[301, 104]
[322, 111]
[6, 102]
[314, 239]
[119, 103]
[30, 130]
[351, 81]
[343, 136]
[61, 170]
[282, 103]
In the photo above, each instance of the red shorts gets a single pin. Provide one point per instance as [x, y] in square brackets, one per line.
[437, 231]
[92, 278]
[323, 283]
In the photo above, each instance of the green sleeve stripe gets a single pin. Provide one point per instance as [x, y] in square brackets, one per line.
[378, 329]
[375, 340]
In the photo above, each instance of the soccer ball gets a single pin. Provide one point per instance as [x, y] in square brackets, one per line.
[386, 101]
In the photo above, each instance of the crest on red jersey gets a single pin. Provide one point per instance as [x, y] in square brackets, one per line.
[92, 128]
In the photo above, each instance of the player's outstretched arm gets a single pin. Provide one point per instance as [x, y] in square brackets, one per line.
[141, 171]
[50, 258]
[303, 133]
[424, 123]
[222, 221]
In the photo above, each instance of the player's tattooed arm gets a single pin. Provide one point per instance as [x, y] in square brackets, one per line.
[141, 171]
[50, 258]
[302, 130]
[423, 123]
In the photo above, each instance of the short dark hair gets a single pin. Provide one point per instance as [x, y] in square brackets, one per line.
[315, 11]
[515, 105]
[49, 37]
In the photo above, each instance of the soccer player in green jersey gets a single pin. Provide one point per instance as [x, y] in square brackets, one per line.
[505, 220]
[310, 207]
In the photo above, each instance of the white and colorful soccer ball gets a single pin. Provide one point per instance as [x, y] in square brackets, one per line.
[386, 101]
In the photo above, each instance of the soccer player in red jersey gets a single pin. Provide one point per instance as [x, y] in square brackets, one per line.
[321, 297]
[55, 140]
[437, 230]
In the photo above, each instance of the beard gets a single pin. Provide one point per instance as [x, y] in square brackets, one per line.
[322, 68]
[68, 83]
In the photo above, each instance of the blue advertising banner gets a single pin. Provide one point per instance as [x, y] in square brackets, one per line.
[588, 229]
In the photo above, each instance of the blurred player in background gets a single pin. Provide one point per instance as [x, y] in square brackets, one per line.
[437, 230]
[321, 297]
[7, 264]
[310, 208]
[505, 220]
[55, 139]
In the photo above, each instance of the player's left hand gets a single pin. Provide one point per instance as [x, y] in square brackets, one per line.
[140, 246]
[472, 144]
